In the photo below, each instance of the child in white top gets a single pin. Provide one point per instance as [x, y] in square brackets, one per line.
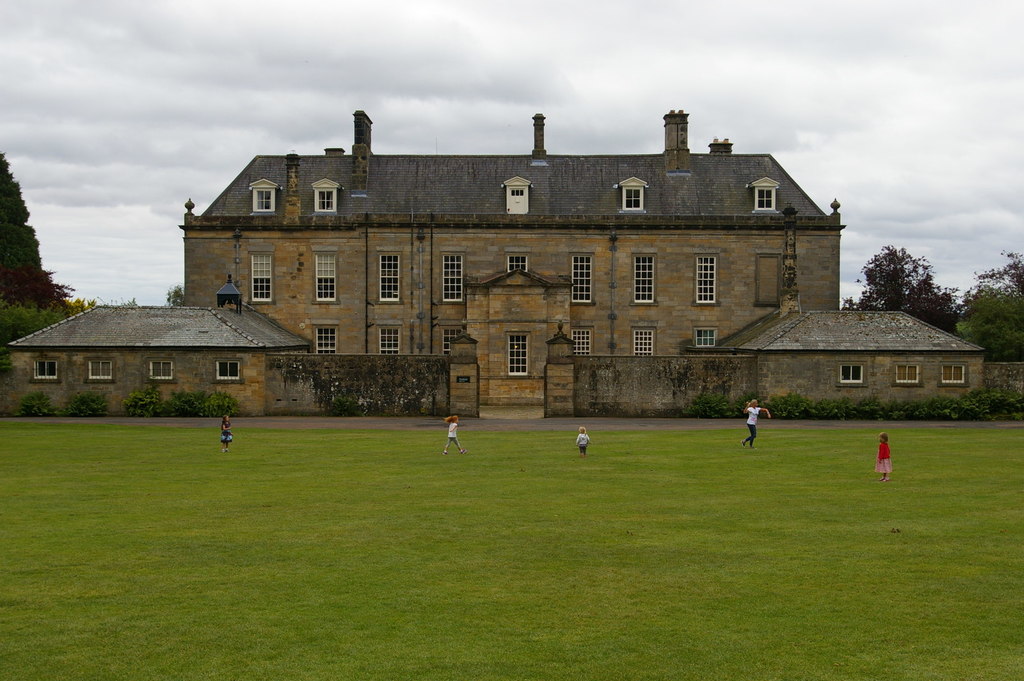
[582, 440]
[453, 436]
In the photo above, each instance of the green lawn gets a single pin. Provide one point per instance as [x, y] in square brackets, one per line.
[144, 553]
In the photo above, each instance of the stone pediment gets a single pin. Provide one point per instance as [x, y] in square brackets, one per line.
[520, 278]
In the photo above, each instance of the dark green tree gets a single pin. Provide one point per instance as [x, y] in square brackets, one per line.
[176, 295]
[19, 246]
[994, 316]
[894, 280]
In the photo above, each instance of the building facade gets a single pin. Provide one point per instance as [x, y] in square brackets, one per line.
[631, 255]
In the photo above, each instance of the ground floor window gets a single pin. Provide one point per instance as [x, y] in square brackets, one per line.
[326, 340]
[643, 341]
[389, 343]
[517, 355]
[581, 341]
[705, 338]
[228, 370]
[953, 374]
[101, 369]
[448, 335]
[161, 370]
[851, 373]
[907, 373]
[45, 369]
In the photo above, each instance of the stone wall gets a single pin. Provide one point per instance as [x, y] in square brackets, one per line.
[657, 386]
[1005, 376]
[383, 385]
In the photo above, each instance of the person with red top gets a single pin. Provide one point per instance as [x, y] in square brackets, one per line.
[883, 464]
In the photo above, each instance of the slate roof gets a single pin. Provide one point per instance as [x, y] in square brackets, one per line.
[846, 331]
[564, 185]
[164, 327]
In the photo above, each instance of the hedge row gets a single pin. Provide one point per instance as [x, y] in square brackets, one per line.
[977, 405]
[144, 403]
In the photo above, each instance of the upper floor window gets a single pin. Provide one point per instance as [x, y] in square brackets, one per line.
[516, 262]
[451, 286]
[706, 278]
[581, 341]
[954, 374]
[264, 196]
[326, 276]
[632, 194]
[517, 196]
[764, 193]
[643, 279]
[389, 277]
[325, 196]
[45, 369]
[261, 276]
[582, 266]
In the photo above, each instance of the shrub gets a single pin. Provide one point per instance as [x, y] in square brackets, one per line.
[712, 406]
[346, 405]
[791, 406]
[870, 409]
[144, 403]
[185, 403]
[86, 404]
[219, 404]
[841, 409]
[36, 404]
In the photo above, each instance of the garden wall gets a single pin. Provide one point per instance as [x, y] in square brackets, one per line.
[1005, 376]
[657, 386]
[383, 385]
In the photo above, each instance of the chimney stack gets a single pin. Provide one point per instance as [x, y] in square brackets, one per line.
[677, 150]
[539, 153]
[723, 147]
[361, 151]
[292, 208]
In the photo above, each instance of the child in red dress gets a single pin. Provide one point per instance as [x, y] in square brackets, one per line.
[883, 464]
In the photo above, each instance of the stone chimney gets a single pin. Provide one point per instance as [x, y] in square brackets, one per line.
[292, 208]
[334, 151]
[539, 153]
[790, 303]
[677, 150]
[720, 147]
[361, 151]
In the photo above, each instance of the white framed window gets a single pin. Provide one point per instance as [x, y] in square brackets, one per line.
[851, 373]
[326, 276]
[389, 277]
[582, 284]
[643, 342]
[516, 262]
[229, 370]
[451, 285]
[101, 370]
[581, 341]
[389, 341]
[161, 370]
[907, 373]
[705, 338]
[325, 196]
[45, 370]
[643, 279]
[264, 196]
[633, 191]
[764, 194]
[518, 355]
[517, 196]
[447, 336]
[262, 270]
[326, 340]
[954, 374]
[706, 278]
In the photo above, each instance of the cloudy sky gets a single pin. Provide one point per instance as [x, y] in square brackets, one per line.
[114, 112]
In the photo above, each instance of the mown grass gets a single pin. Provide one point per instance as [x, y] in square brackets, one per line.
[144, 553]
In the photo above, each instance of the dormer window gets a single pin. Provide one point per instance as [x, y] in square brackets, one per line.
[517, 196]
[264, 196]
[325, 196]
[632, 194]
[764, 193]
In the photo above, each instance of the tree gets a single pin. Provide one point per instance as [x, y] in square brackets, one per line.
[19, 246]
[176, 295]
[994, 316]
[894, 280]
[31, 286]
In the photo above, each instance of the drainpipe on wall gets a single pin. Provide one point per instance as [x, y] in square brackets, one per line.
[612, 285]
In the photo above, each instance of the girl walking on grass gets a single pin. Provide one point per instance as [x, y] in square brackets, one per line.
[225, 434]
[883, 463]
[753, 411]
[582, 440]
[453, 434]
